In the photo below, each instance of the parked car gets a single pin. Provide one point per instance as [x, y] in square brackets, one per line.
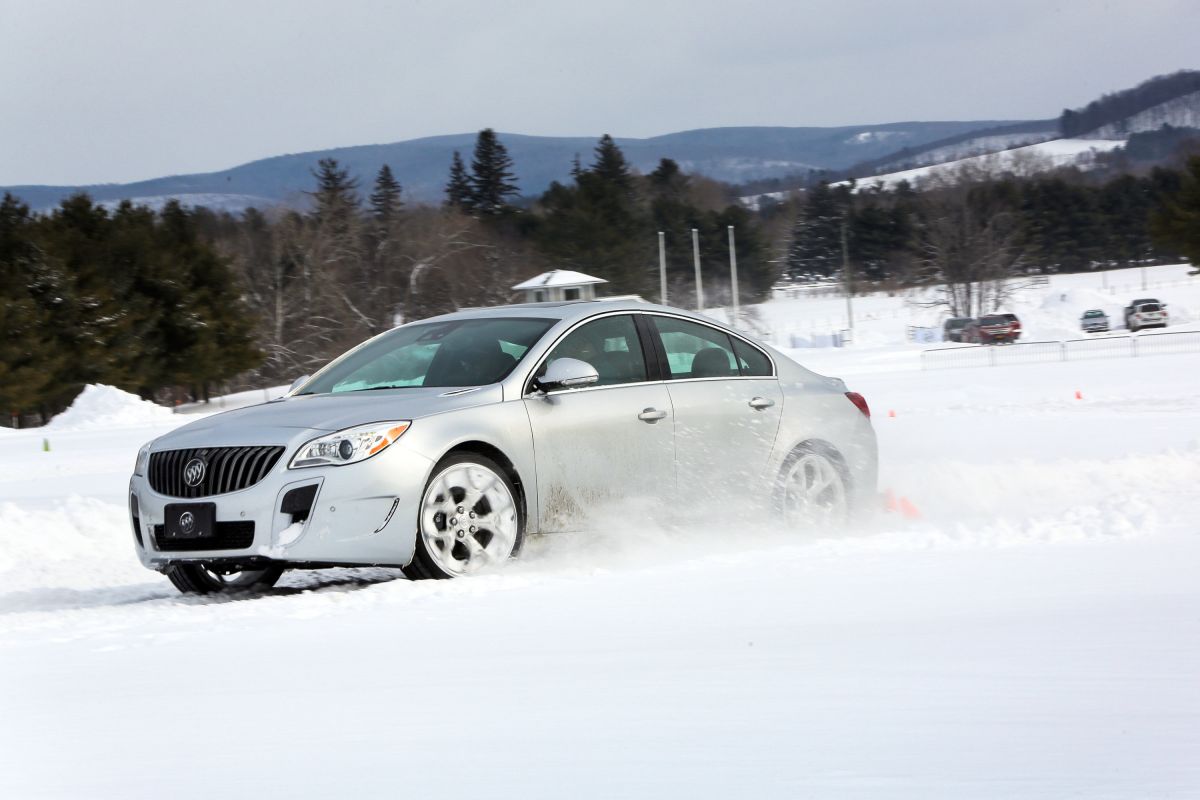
[952, 329]
[1094, 320]
[440, 445]
[993, 329]
[1015, 324]
[1145, 313]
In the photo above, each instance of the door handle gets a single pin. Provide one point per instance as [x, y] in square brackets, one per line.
[651, 415]
[759, 403]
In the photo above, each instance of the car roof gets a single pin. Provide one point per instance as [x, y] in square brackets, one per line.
[567, 310]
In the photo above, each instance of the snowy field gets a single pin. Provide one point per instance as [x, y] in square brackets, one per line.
[1028, 628]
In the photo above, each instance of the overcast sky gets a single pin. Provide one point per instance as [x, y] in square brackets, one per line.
[112, 90]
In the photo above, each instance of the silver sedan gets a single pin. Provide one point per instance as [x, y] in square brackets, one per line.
[440, 445]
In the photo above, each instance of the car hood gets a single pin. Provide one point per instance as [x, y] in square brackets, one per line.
[284, 420]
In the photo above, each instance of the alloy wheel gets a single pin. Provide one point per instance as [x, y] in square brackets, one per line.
[469, 519]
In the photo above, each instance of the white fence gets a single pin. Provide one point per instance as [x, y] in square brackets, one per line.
[1146, 344]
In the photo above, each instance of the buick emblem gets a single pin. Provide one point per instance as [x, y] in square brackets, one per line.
[187, 523]
[193, 472]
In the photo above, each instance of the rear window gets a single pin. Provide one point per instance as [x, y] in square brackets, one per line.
[1148, 307]
[996, 320]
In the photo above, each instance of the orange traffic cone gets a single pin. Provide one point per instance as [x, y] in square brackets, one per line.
[1078, 395]
[892, 413]
[908, 509]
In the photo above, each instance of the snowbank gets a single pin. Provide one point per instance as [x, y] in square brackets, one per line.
[100, 407]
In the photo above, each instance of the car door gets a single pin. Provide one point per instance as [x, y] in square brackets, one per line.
[606, 450]
[728, 403]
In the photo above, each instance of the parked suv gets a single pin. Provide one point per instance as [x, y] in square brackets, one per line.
[1094, 320]
[952, 329]
[1016, 325]
[1145, 313]
[993, 329]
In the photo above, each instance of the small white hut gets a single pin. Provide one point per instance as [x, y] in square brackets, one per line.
[558, 285]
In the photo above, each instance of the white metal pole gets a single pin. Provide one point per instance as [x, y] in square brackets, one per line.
[662, 269]
[849, 286]
[733, 276]
[696, 257]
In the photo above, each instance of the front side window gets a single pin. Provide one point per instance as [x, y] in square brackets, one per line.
[694, 350]
[470, 352]
[609, 344]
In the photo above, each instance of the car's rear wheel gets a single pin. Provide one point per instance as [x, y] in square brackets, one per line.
[212, 579]
[470, 519]
[813, 491]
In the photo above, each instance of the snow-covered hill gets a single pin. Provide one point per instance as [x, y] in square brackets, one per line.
[1181, 112]
[1020, 161]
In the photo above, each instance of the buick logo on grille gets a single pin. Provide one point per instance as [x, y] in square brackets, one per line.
[187, 523]
[193, 472]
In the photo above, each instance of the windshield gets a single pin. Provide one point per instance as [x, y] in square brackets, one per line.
[1094, 314]
[470, 352]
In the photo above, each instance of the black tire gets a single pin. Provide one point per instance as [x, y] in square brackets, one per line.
[423, 566]
[198, 579]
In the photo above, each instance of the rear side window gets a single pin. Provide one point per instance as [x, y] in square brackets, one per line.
[694, 350]
[751, 360]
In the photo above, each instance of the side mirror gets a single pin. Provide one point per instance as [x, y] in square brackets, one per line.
[296, 384]
[567, 373]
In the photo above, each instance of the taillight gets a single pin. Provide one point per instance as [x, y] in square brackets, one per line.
[860, 403]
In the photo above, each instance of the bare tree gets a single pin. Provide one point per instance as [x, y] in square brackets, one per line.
[969, 242]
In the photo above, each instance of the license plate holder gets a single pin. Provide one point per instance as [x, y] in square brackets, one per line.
[190, 520]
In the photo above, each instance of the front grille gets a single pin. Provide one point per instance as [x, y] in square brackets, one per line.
[226, 469]
[227, 536]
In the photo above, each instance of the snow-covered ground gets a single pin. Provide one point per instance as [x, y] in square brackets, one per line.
[1030, 629]
[1049, 311]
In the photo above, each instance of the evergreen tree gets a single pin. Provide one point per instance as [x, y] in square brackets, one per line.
[1062, 231]
[336, 196]
[610, 164]
[29, 357]
[816, 245]
[492, 179]
[458, 188]
[1177, 224]
[877, 235]
[385, 199]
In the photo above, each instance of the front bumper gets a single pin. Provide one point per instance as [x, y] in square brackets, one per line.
[363, 513]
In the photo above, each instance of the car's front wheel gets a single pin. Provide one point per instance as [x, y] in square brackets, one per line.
[813, 492]
[470, 519]
[214, 579]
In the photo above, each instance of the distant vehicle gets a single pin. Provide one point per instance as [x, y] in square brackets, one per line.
[1145, 313]
[952, 329]
[1016, 325]
[1094, 320]
[993, 329]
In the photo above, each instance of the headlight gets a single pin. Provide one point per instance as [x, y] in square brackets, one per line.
[143, 460]
[349, 446]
